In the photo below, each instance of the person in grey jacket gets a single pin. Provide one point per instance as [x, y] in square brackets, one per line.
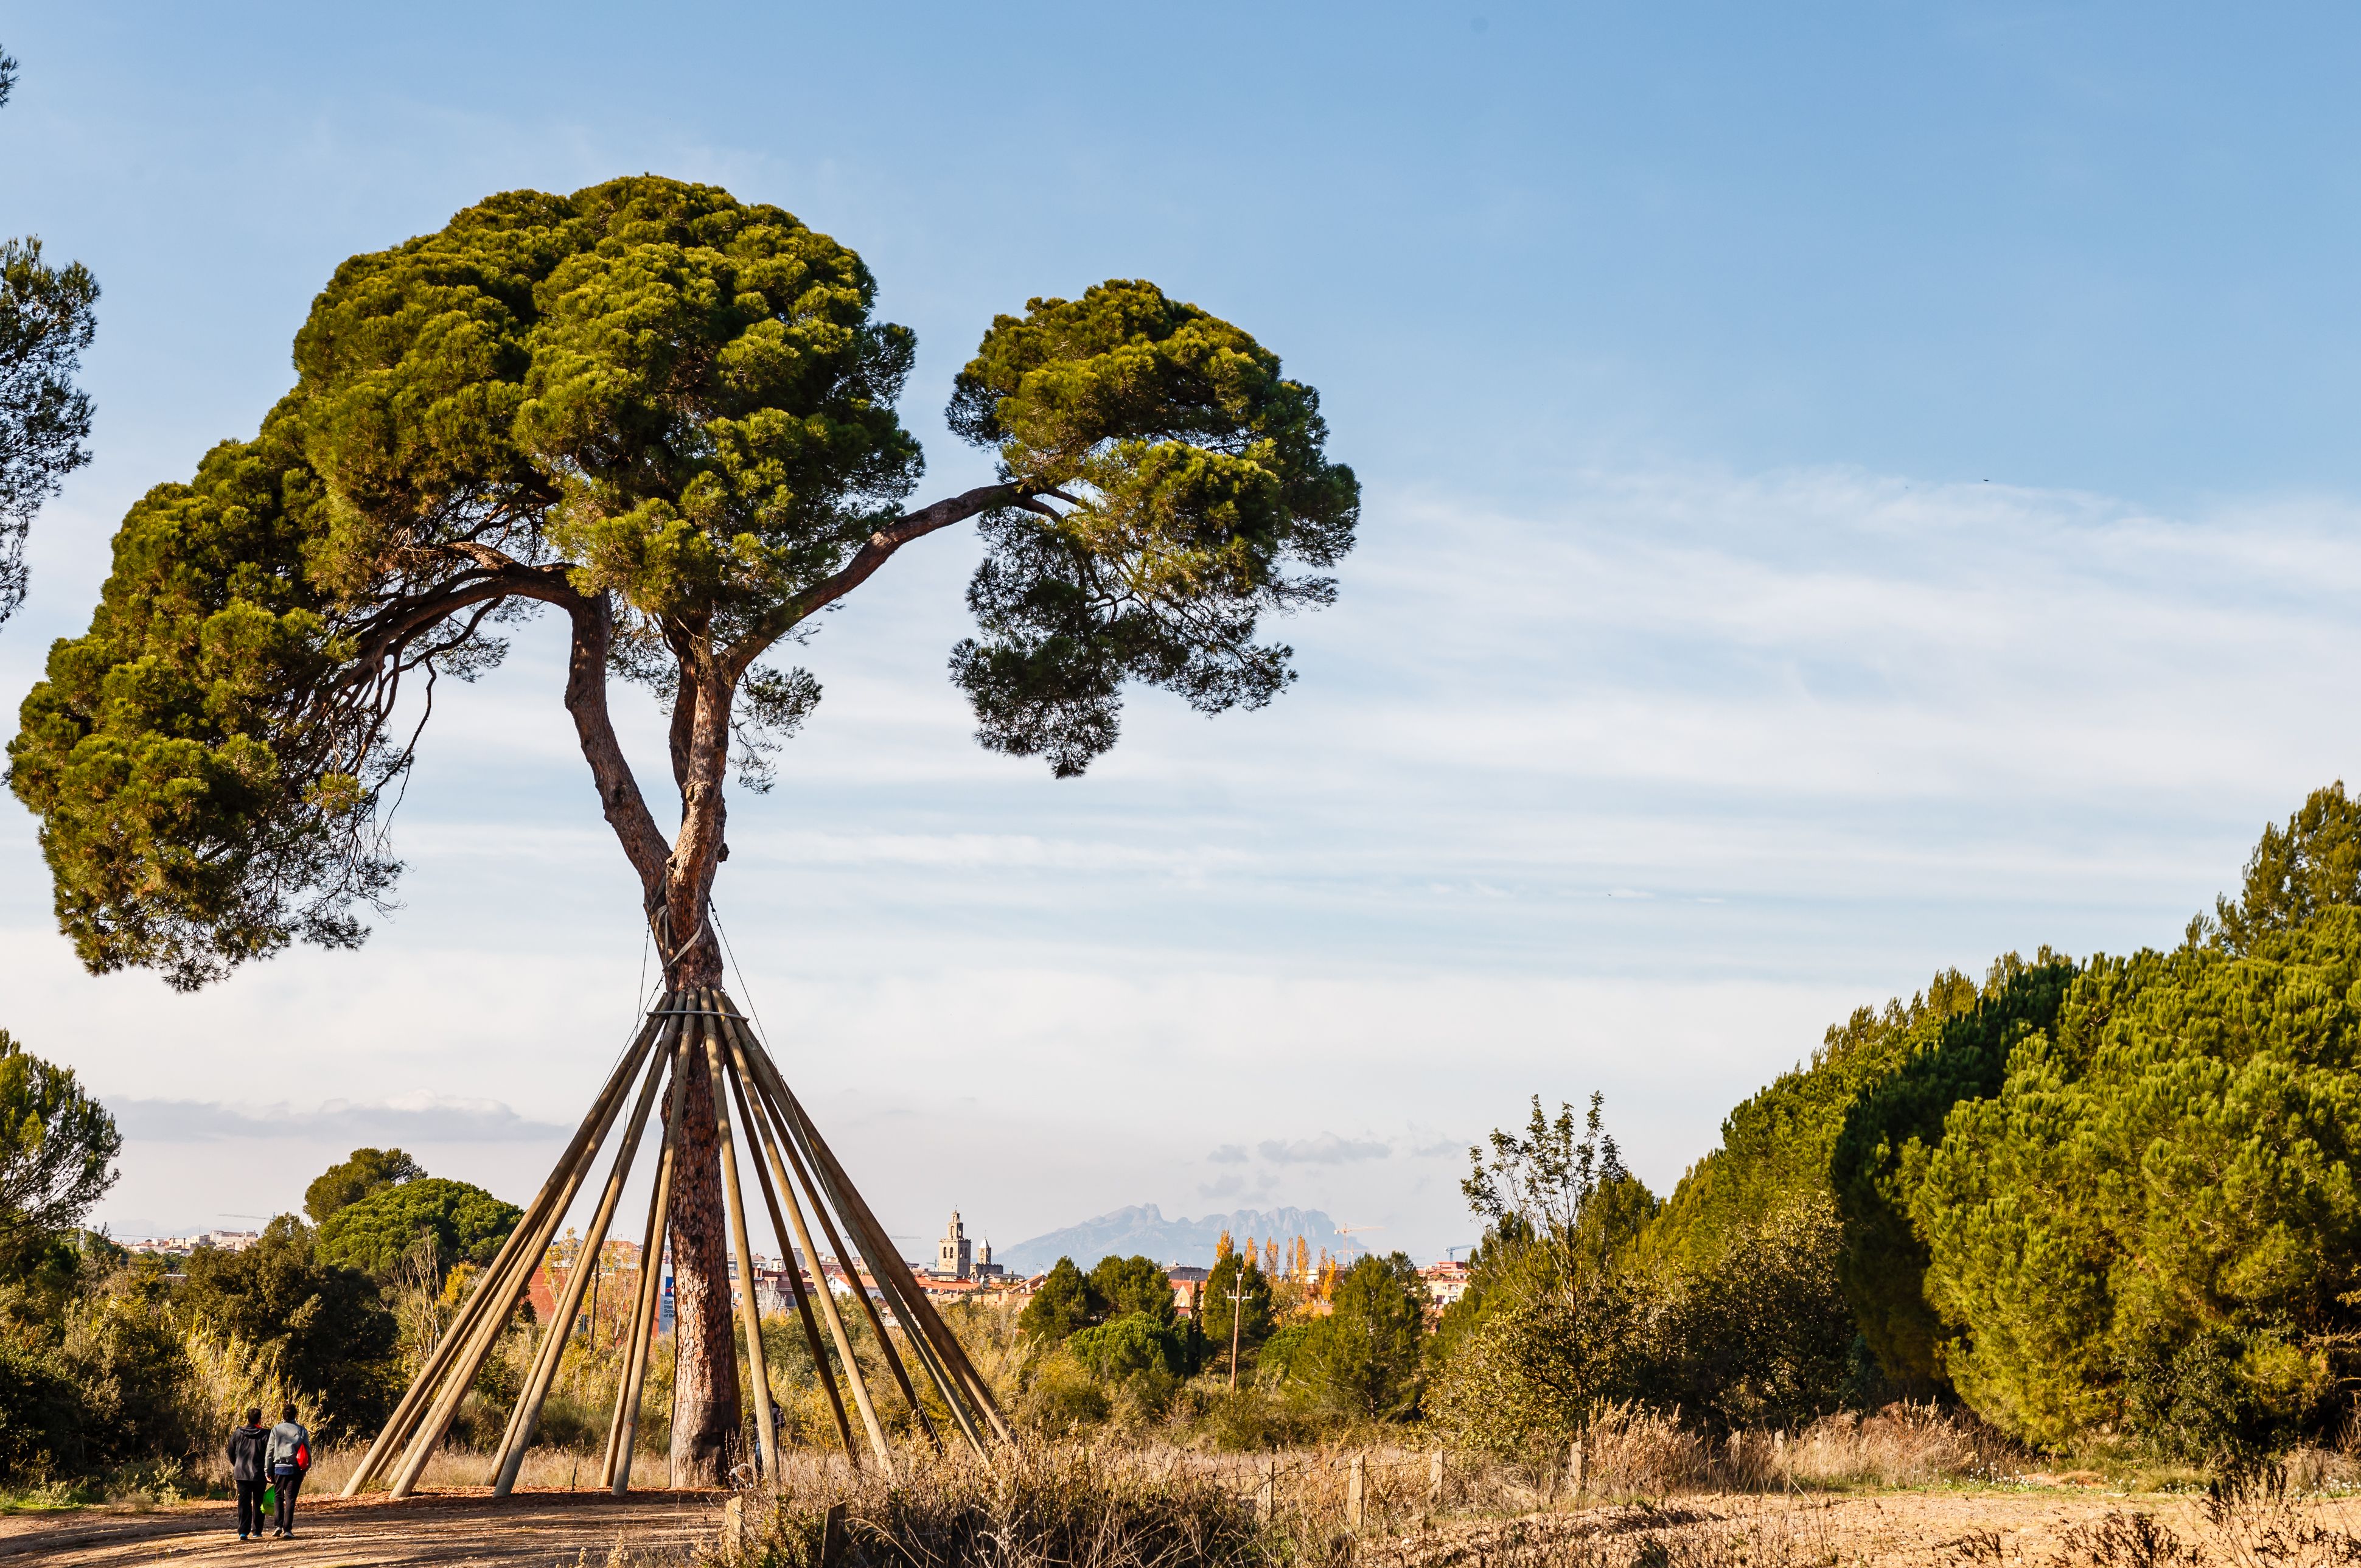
[250, 1470]
[288, 1455]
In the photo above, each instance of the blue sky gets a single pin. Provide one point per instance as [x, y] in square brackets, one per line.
[1848, 490]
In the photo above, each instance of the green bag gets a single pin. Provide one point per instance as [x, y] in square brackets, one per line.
[271, 1498]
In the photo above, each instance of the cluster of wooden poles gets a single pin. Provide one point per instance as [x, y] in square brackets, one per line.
[740, 1072]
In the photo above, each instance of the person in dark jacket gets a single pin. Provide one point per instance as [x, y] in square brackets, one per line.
[246, 1469]
[286, 1455]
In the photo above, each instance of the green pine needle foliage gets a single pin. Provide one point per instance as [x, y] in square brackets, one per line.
[374, 1234]
[2156, 1222]
[649, 400]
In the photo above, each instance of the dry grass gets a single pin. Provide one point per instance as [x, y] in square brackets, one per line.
[1035, 1503]
[557, 1469]
[1641, 1454]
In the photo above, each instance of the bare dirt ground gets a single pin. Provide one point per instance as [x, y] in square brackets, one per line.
[544, 1530]
[1890, 1530]
[2077, 1528]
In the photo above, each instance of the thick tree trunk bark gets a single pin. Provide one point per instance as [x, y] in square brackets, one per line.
[706, 1426]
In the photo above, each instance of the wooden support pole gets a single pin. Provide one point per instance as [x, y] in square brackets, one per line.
[910, 1304]
[1356, 1482]
[624, 1431]
[750, 1313]
[762, 1169]
[1434, 1481]
[846, 1265]
[923, 1318]
[923, 1314]
[502, 1290]
[934, 1370]
[643, 1297]
[852, 1374]
[871, 1246]
[527, 1414]
[738, 1039]
[422, 1390]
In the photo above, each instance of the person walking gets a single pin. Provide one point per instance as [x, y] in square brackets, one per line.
[249, 1470]
[288, 1455]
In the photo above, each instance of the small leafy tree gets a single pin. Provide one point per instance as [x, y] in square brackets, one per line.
[669, 418]
[48, 316]
[1065, 1303]
[1363, 1357]
[57, 1148]
[364, 1173]
[1134, 1285]
[1563, 1185]
[466, 1223]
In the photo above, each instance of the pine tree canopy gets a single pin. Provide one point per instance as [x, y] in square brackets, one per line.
[48, 316]
[671, 416]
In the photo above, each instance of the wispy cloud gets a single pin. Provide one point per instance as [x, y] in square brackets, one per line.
[414, 1118]
[1841, 728]
[1326, 1149]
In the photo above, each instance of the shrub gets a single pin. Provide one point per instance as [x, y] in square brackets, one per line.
[1762, 1337]
[326, 1324]
[1275, 1365]
[42, 1416]
[1060, 1396]
[1126, 1347]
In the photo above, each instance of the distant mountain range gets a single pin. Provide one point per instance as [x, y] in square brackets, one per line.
[1142, 1229]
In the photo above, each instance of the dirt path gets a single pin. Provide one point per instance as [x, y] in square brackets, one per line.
[1892, 1530]
[545, 1529]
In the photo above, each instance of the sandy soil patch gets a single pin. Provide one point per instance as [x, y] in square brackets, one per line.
[447, 1529]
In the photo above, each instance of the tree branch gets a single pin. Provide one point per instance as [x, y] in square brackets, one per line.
[586, 698]
[874, 553]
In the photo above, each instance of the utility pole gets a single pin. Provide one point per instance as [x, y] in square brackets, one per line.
[1237, 1316]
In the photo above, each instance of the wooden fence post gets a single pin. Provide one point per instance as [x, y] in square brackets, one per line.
[733, 1523]
[831, 1537]
[1575, 1473]
[1434, 1481]
[1355, 1482]
[1267, 1499]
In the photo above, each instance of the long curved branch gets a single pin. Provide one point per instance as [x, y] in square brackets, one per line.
[875, 552]
[586, 698]
[500, 576]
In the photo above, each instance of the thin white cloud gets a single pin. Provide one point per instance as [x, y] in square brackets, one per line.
[416, 1118]
[1844, 728]
[1326, 1149]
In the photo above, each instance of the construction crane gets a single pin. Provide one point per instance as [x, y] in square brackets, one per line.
[1346, 1230]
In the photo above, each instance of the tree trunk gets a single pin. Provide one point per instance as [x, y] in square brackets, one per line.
[705, 1419]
